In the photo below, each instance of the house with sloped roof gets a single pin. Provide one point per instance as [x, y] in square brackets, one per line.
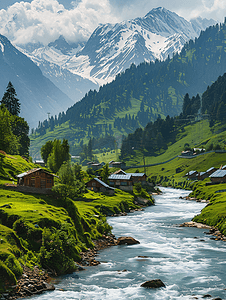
[116, 164]
[211, 171]
[192, 175]
[36, 178]
[125, 181]
[138, 177]
[120, 172]
[121, 181]
[98, 185]
[218, 176]
[202, 175]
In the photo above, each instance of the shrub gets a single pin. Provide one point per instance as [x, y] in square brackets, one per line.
[13, 264]
[7, 278]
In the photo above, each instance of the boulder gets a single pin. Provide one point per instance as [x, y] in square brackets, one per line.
[153, 284]
[127, 240]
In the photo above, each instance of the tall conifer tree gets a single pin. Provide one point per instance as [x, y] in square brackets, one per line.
[10, 100]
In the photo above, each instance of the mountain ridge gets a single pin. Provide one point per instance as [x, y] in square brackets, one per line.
[142, 94]
[35, 92]
[112, 48]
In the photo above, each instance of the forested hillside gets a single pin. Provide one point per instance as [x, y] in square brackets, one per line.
[155, 138]
[141, 94]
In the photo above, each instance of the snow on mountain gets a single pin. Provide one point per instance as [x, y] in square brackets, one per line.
[114, 47]
[37, 94]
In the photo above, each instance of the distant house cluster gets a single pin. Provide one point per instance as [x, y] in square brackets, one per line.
[120, 180]
[192, 152]
[215, 175]
[112, 164]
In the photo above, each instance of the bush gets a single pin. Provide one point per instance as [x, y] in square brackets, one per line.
[13, 264]
[59, 251]
[7, 278]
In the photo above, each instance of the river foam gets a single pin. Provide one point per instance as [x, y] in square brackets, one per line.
[185, 259]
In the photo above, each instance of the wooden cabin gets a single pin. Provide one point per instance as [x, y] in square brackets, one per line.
[116, 164]
[98, 185]
[120, 172]
[37, 178]
[218, 176]
[192, 175]
[138, 177]
[123, 182]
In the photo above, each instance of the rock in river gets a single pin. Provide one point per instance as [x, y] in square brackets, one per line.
[153, 284]
[127, 240]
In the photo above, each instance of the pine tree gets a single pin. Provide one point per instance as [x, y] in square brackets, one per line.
[10, 100]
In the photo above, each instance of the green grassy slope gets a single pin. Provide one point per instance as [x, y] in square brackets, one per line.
[13, 165]
[214, 214]
[173, 172]
[143, 92]
[30, 223]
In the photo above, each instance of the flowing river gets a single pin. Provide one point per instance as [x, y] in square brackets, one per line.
[187, 260]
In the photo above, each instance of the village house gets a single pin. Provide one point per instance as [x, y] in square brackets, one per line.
[123, 182]
[187, 153]
[37, 178]
[138, 177]
[96, 166]
[203, 175]
[120, 172]
[218, 176]
[116, 164]
[98, 185]
[211, 171]
[40, 162]
[192, 175]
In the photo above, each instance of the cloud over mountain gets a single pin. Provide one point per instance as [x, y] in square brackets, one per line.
[45, 20]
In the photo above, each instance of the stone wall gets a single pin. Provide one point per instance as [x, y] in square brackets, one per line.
[31, 190]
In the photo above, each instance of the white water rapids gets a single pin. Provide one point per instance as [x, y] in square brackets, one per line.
[186, 259]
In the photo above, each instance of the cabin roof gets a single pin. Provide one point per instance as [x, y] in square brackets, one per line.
[119, 176]
[202, 173]
[104, 184]
[136, 174]
[191, 173]
[120, 171]
[218, 174]
[33, 171]
[210, 169]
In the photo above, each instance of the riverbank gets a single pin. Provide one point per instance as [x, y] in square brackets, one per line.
[214, 213]
[189, 267]
[217, 235]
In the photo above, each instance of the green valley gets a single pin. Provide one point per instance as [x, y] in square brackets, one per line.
[139, 95]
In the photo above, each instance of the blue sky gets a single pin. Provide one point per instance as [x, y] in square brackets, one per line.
[44, 20]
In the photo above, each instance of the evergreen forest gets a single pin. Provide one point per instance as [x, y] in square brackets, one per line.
[141, 94]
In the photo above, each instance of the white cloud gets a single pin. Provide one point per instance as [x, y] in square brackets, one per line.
[45, 20]
[215, 9]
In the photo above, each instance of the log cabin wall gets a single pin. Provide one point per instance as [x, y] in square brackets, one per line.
[39, 179]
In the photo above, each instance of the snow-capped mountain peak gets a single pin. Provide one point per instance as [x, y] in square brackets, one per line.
[114, 47]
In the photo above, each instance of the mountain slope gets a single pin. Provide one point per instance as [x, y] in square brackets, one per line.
[141, 94]
[37, 94]
[112, 48]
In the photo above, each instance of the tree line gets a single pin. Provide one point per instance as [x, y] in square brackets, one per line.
[159, 86]
[14, 130]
